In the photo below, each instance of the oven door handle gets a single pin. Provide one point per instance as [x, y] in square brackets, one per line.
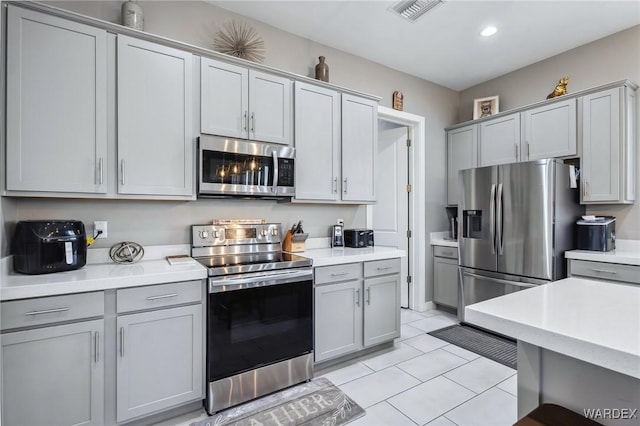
[258, 280]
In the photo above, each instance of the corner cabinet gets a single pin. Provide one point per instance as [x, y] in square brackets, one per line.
[155, 141]
[462, 153]
[357, 305]
[56, 128]
[243, 103]
[608, 157]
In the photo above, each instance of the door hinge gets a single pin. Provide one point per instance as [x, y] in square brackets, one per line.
[408, 279]
[409, 233]
[409, 188]
[408, 142]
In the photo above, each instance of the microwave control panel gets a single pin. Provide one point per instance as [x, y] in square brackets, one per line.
[285, 172]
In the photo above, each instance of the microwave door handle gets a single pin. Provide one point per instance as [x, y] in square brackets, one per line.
[275, 172]
[500, 221]
[492, 218]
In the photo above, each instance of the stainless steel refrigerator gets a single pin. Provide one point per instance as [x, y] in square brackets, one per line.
[516, 221]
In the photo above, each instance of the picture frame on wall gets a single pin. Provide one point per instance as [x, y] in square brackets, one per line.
[484, 107]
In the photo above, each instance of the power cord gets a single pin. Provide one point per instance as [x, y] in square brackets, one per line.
[91, 240]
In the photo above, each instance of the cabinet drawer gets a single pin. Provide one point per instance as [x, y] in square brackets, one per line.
[45, 310]
[443, 251]
[605, 271]
[158, 296]
[336, 273]
[381, 267]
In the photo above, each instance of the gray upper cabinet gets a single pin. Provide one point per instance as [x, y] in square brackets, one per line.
[317, 142]
[462, 146]
[359, 145]
[56, 105]
[499, 141]
[155, 140]
[381, 309]
[550, 131]
[159, 360]
[241, 103]
[608, 141]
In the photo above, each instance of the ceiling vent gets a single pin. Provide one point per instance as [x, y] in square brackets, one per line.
[412, 10]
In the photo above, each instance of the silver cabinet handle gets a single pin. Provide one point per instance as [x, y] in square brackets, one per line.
[515, 147]
[357, 297]
[122, 172]
[164, 296]
[253, 123]
[121, 342]
[335, 185]
[528, 152]
[96, 347]
[339, 274]
[381, 268]
[344, 185]
[369, 296]
[604, 271]
[245, 121]
[100, 179]
[47, 311]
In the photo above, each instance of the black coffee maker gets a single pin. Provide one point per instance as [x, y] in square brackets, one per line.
[452, 216]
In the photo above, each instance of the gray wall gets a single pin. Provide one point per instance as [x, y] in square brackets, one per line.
[193, 22]
[612, 58]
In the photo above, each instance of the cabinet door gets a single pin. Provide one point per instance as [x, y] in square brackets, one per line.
[54, 375]
[462, 145]
[499, 141]
[381, 309]
[338, 319]
[269, 108]
[359, 145]
[317, 142]
[155, 143]
[600, 159]
[445, 281]
[56, 104]
[159, 360]
[224, 99]
[550, 131]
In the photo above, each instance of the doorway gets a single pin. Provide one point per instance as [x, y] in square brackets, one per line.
[398, 217]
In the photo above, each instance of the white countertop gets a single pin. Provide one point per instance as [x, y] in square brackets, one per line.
[627, 252]
[593, 321]
[342, 255]
[442, 239]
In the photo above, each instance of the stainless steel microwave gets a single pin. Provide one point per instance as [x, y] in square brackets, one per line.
[241, 168]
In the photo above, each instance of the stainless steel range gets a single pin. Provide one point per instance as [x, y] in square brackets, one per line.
[259, 313]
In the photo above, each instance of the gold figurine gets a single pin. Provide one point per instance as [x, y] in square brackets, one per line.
[561, 88]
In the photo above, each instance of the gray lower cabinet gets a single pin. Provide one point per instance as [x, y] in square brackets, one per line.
[53, 374]
[357, 305]
[445, 276]
[604, 271]
[159, 353]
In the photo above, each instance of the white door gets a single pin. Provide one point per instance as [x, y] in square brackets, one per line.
[390, 215]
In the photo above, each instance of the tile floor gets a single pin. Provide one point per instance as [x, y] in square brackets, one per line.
[422, 380]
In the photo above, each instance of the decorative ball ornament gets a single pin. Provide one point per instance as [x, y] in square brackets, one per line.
[239, 39]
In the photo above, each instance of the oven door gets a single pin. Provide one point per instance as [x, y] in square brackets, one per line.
[258, 319]
[229, 167]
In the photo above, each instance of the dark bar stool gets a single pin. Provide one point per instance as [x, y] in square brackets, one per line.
[554, 415]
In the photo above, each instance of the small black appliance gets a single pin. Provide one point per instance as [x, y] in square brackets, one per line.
[43, 246]
[357, 238]
[597, 233]
[336, 236]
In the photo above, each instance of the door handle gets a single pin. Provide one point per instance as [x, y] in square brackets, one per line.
[357, 297]
[335, 185]
[122, 172]
[500, 229]
[369, 296]
[344, 185]
[100, 179]
[528, 152]
[492, 218]
[516, 151]
[121, 342]
[96, 347]
[253, 123]
[245, 121]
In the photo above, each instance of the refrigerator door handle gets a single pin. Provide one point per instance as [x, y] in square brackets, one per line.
[492, 218]
[500, 239]
[498, 280]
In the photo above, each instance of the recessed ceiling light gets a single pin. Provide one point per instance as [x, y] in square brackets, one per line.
[489, 31]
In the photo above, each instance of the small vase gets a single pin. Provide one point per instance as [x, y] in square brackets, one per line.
[132, 16]
[322, 70]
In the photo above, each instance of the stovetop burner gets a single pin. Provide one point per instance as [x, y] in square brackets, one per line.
[254, 262]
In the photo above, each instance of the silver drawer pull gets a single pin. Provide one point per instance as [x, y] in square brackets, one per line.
[47, 311]
[604, 271]
[339, 274]
[121, 342]
[164, 296]
[380, 268]
[96, 346]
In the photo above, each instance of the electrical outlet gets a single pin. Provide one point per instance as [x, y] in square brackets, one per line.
[100, 226]
[340, 222]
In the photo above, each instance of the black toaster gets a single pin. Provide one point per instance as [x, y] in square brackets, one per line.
[357, 238]
[43, 246]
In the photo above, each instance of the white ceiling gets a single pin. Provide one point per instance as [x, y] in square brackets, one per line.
[444, 45]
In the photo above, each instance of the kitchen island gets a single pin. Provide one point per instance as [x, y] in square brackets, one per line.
[578, 345]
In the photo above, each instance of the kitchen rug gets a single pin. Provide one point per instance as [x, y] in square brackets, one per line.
[315, 403]
[496, 348]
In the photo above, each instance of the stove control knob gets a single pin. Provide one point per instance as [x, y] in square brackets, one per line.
[263, 232]
[215, 234]
[274, 231]
[204, 234]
